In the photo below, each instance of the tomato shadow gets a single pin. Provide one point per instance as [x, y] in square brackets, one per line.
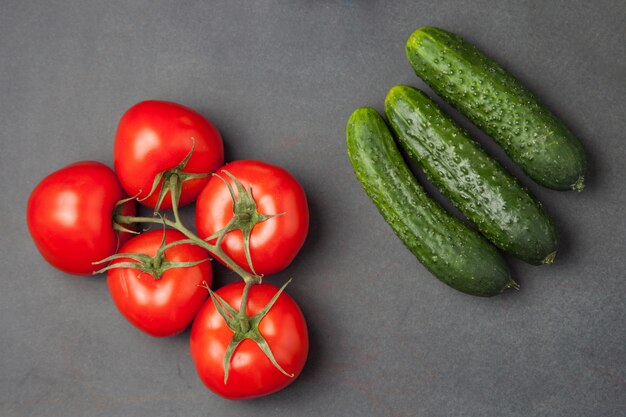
[314, 364]
[222, 275]
[304, 269]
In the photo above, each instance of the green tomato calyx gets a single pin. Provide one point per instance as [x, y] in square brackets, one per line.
[171, 180]
[245, 217]
[153, 265]
[245, 327]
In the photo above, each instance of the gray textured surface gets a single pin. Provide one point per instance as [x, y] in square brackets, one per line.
[280, 79]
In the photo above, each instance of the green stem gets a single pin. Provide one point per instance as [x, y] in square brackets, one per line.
[174, 196]
[244, 217]
[216, 250]
[244, 320]
[244, 299]
[136, 219]
[157, 263]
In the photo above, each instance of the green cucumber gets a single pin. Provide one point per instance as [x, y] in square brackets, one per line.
[455, 253]
[500, 105]
[500, 207]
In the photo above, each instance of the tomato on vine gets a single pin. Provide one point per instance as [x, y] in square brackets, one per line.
[251, 216]
[159, 145]
[264, 210]
[157, 281]
[250, 354]
[70, 216]
[261, 210]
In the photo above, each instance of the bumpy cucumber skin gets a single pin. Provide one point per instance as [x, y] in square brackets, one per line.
[476, 184]
[500, 105]
[451, 250]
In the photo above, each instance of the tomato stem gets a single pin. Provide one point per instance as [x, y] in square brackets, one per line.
[175, 197]
[216, 249]
[244, 300]
[245, 217]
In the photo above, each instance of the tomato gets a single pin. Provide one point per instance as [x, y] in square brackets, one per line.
[251, 373]
[70, 216]
[167, 305]
[156, 136]
[273, 242]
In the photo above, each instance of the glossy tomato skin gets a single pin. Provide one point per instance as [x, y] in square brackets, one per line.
[154, 136]
[69, 216]
[163, 307]
[275, 242]
[251, 373]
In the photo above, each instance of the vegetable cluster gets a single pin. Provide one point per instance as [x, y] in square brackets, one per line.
[250, 339]
[504, 212]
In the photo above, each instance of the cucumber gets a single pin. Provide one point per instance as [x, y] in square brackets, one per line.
[500, 207]
[451, 250]
[500, 105]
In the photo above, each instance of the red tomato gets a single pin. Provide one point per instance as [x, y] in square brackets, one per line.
[275, 241]
[69, 216]
[155, 136]
[165, 306]
[251, 373]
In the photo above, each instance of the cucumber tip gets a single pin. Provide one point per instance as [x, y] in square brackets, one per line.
[549, 259]
[579, 185]
[512, 284]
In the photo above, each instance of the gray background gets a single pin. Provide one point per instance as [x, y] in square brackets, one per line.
[280, 80]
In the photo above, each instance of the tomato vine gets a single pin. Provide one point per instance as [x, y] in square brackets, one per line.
[245, 217]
